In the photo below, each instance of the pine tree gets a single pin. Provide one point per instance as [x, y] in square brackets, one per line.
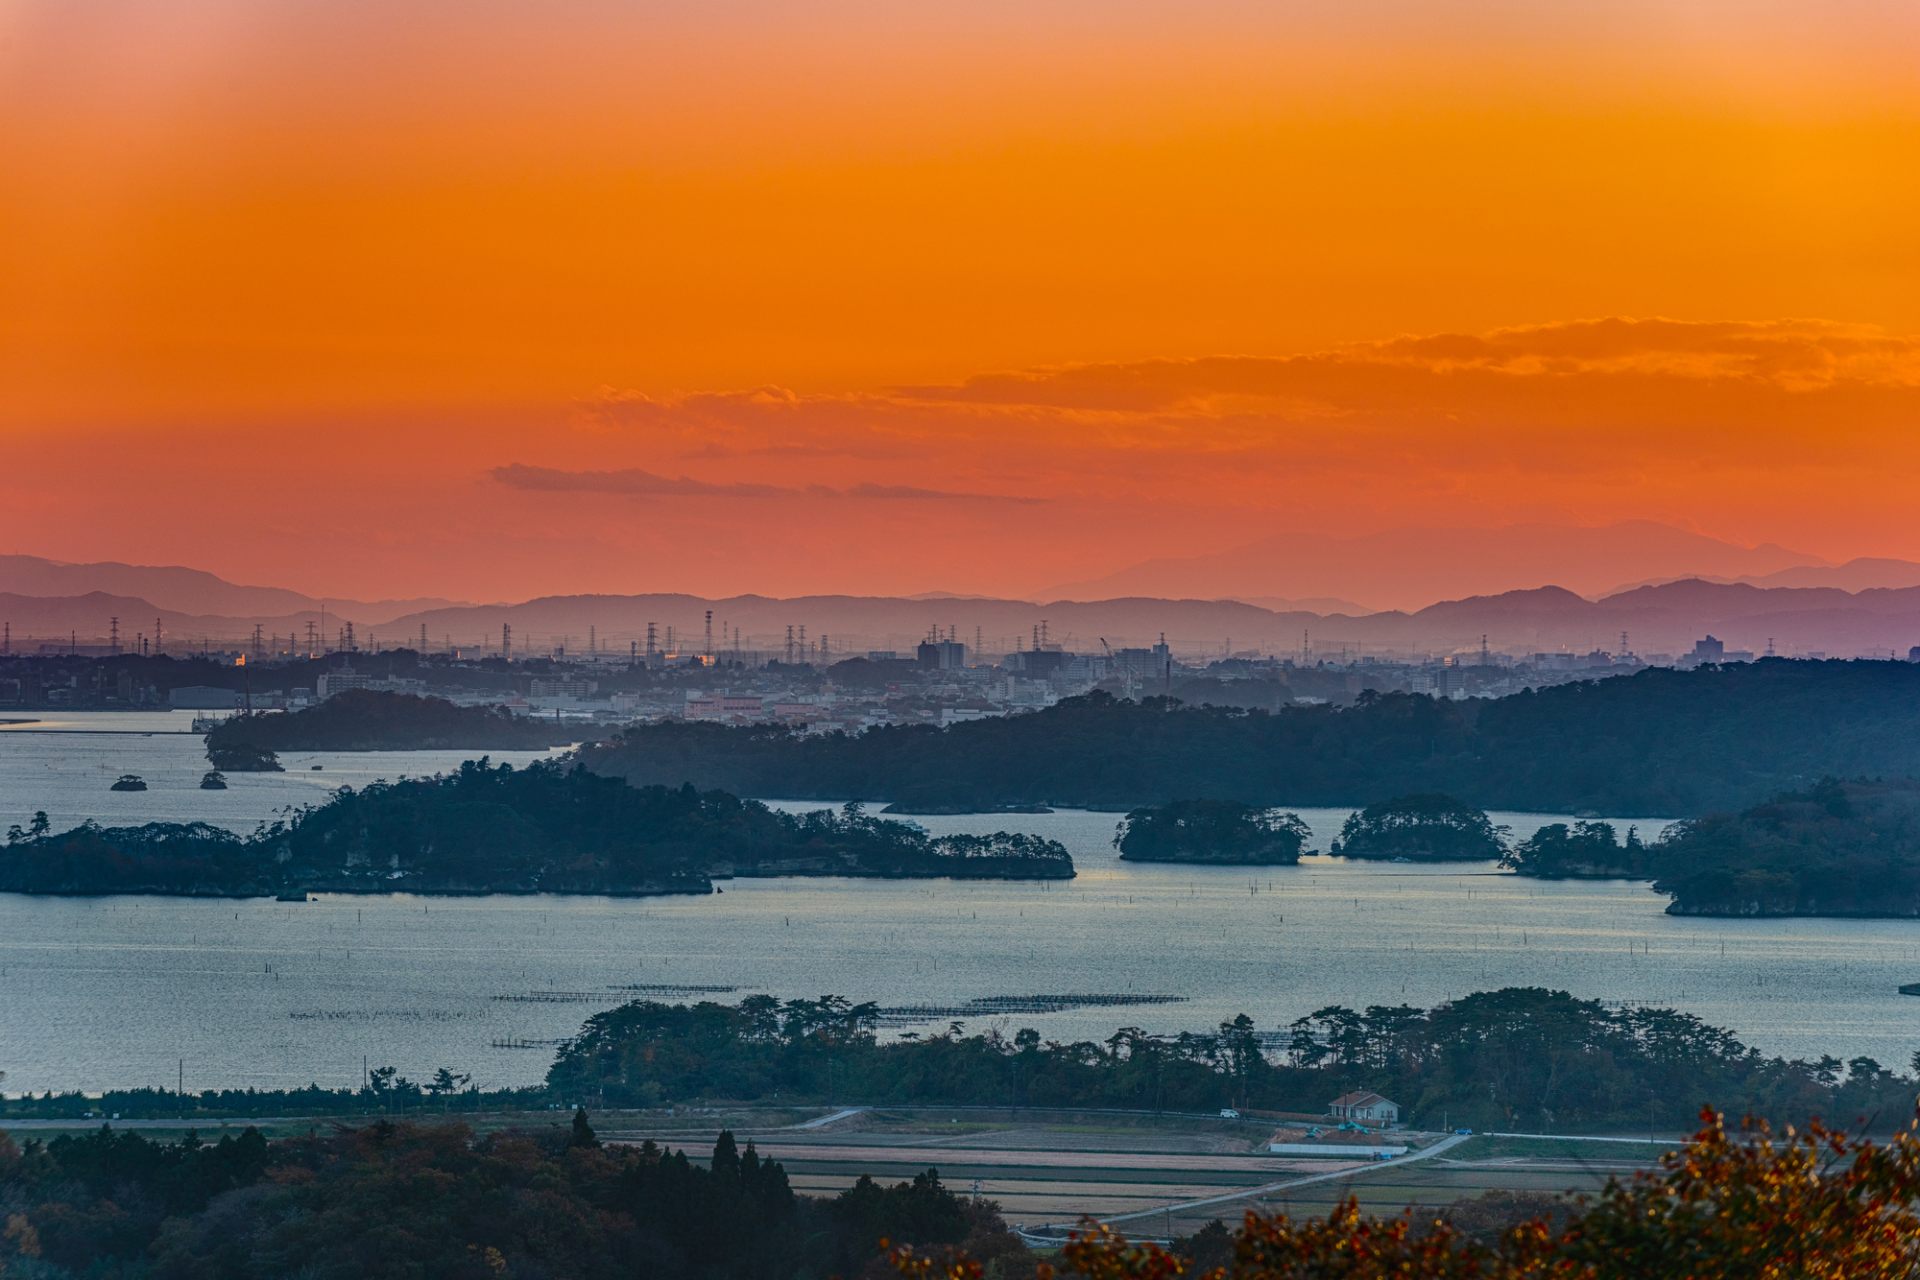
[726, 1158]
[583, 1135]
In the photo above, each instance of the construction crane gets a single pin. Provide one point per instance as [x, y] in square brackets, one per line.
[1125, 669]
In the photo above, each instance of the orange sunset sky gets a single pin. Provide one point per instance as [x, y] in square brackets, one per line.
[498, 299]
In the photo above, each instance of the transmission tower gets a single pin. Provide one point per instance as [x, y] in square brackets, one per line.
[113, 634]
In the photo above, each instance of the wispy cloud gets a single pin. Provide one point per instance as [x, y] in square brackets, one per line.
[638, 483]
[1567, 394]
[1789, 356]
[1723, 424]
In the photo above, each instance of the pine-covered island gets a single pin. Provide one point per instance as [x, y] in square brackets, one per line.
[1211, 833]
[552, 827]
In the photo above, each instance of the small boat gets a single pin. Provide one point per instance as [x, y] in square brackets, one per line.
[1910, 988]
[214, 780]
[291, 895]
[129, 782]
[317, 768]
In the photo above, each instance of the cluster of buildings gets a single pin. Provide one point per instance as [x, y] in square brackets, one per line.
[940, 681]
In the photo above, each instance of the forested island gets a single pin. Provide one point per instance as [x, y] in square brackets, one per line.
[1211, 832]
[242, 757]
[552, 827]
[1585, 850]
[1661, 742]
[1421, 828]
[1834, 849]
[372, 720]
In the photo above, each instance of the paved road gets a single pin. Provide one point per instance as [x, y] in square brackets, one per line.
[1580, 1137]
[821, 1122]
[1048, 1234]
[777, 1147]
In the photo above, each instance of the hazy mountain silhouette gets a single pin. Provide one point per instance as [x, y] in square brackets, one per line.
[1665, 617]
[34, 620]
[1866, 573]
[1308, 604]
[1411, 568]
[186, 591]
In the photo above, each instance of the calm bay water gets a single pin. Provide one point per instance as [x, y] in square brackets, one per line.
[63, 763]
[116, 991]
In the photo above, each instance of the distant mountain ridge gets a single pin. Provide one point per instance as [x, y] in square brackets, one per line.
[1411, 568]
[85, 618]
[1664, 617]
[186, 592]
[1863, 573]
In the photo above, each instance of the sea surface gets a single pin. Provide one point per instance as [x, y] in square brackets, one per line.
[100, 992]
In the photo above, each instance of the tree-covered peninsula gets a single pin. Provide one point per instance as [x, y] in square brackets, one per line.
[1510, 1057]
[1834, 849]
[1211, 832]
[1519, 1056]
[1420, 828]
[1662, 743]
[551, 827]
[373, 720]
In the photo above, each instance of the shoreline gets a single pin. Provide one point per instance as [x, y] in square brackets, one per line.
[713, 887]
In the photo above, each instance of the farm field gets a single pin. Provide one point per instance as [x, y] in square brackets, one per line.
[1167, 1174]
[1159, 1174]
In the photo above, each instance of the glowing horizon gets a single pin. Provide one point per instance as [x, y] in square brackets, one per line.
[464, 300]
